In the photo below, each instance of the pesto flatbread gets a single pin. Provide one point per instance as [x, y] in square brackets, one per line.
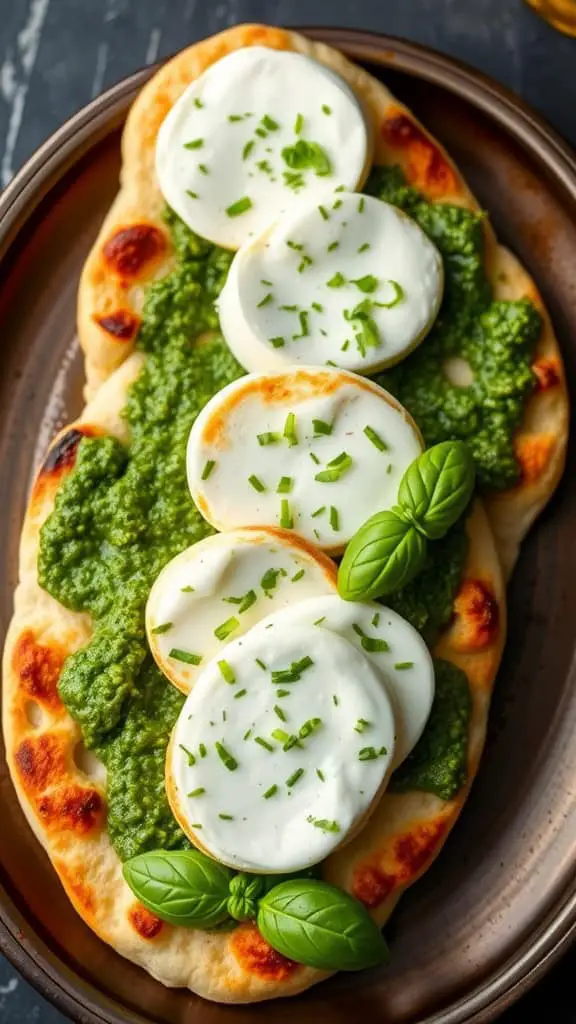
[110, 506]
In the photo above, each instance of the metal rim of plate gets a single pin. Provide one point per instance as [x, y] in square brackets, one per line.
[47, 166]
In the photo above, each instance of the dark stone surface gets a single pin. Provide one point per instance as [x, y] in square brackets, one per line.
[56, 55]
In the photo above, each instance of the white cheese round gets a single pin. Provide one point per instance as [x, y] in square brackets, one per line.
[393, 646]
[314, 450]
[220, 587]
[256, 134]
[354, 282]
[271, 772]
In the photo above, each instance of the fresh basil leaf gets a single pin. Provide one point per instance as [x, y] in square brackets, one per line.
[437, 487]
[383, 555]
[317, 924]
[182, 886]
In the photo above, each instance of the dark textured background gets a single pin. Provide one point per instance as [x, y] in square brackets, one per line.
[56, 55]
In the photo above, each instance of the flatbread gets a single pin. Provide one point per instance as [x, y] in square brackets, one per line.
[63, 791]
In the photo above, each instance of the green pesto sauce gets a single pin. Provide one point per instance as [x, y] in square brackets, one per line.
[496, 339]
[438, 762]
[124, 511]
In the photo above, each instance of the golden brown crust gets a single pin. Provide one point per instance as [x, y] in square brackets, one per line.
[64, 805]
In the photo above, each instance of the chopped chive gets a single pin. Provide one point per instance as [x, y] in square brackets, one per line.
[376, 618]
[389, 467]
[247, 149]
[247, 601]
[198, 102]
[268, 284]
[335, 469]
[345, 345]
[314, 458]
[296, 246]
[226, 628]
[261, 133]
[284, 485]
[270, 579]
[270, 792]
[361, 204]
[281, 735]
[224, 716]
[336, 205]
[195, 144]
[374, 645]
[203, 169]
[290, 309]
[226, 757]
[179, 655]
[226, 817]
[324, 213]
[397, 297]
[286, 517]
[256, 483]
[335, 700]
[283, 693]
[298, 124]
[191, 757]
[191, 194]
[326, 109]
[196, 792]
[277, 342]
[316, 306]
[320, 775]
[240, 206]
[239, 694]
[158, 630]
[227, 672]
[366, 284]
[280, 713]
[195, 825]
[370, 753]
[362, 725]
[233, 600]
[401, 665]
[321, 427]
[265, 301]
[233, 118]
[330, 362]
[304, 328]
[316, 534]
[187, 590]
[247, 734]
[341, 188]
[364, 247]
[261, 664]
[202, 750]
[289, 431]
[319, 512]
[336, 281]
[208, 469]
[331, 248]
[305, 262]
[309, 727]
[294, 778]
[264, 166]
[297, 576]
[319, 621]
[324, 824]
[263, 743]
[270, 123]
[292, 674]
[334, 518]
[269, 437]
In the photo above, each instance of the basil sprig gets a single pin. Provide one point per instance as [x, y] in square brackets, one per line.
[389, 549]
[437, 487]
[317, 924]
[182, 886]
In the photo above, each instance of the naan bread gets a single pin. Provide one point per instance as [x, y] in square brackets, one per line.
[61, 790]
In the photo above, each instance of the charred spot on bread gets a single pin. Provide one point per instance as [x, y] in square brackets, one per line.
[371, 886]
[73, 807]
[38, 668]
[476, 616]
[121, 324]
[426, 166]
[144, 922]
[256, 956]
[547, 373]
[41, 762]
[132, 249]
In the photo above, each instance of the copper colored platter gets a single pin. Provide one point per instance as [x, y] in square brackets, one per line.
[499, 906]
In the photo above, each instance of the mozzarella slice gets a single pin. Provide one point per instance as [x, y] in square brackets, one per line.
[314, 450]
[274, 770]
[219, 588]
[390, 643]
[256, 133]
[354, 282]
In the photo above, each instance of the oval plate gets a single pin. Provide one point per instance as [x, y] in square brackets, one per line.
[500, 904]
